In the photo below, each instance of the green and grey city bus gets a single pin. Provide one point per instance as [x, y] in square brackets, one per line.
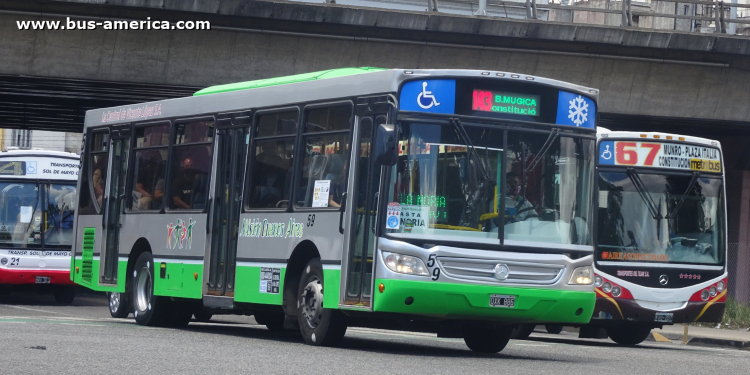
[458, 202]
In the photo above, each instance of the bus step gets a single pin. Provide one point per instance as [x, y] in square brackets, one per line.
[217, 302]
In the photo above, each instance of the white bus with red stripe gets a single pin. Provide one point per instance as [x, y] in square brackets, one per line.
[37, 202]
[660, 246]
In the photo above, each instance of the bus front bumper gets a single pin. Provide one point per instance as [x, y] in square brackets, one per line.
[57, 277]
[472, 302]
[609, 311]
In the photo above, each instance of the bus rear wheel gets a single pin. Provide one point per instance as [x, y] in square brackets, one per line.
[148, 309]
[118, 304]
[319, 326]
[482, 339]
[628, 334]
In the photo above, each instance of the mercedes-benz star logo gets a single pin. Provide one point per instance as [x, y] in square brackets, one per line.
[663, 279]
[501, 272]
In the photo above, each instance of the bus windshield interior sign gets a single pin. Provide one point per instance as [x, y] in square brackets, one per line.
[660, 155]
[505, 102]
[499, 99]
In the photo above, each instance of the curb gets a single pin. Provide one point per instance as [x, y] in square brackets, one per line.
[706, 341]
[702, 341]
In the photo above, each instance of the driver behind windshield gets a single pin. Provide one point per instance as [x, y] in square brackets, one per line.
[517, 208]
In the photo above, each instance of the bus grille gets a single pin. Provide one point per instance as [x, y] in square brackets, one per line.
[89, 237]
[484, 270]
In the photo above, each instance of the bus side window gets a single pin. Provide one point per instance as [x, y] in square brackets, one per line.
[191, 165]
[94, 173]
[273, 160]
[325, 163]
[150, 167]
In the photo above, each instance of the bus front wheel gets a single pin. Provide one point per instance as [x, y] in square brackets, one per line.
[319, 326]
[64, 294]
[628, 334]
[148, 309]
[482, 339]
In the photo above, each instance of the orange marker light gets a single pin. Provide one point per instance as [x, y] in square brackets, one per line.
[196, 275]
[381, 288]
[76, 269]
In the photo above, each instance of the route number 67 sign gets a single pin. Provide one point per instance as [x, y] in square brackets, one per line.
[660, 155]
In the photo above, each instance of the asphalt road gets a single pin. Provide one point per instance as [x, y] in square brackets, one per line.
[39, 337]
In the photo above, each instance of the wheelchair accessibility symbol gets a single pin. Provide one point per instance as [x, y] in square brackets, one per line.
[392, 222]
[426, 95]
[606, 154]
[31, 167]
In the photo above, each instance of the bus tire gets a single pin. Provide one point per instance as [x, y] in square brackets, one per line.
[118, 304]
[273, 321]
[554, 329]
[202, 316]
[148, 309]
[522, 331]
[64, 294]
[319, 326]
[482, 339]
[628, 334]
[182, 313]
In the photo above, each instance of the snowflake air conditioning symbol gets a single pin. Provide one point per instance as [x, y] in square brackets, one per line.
[578, 110]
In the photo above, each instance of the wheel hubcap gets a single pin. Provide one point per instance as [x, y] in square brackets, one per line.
[114, 302]
[311, 301]
[143, 289]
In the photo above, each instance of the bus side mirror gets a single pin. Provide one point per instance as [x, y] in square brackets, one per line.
[385, 145]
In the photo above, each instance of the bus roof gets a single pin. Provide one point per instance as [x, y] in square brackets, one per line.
[309, 87]
[39, 153]
[323, 74]
[657, 136]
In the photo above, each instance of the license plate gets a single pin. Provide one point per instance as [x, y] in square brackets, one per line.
[502, 300]
[42, 280]
[663, 317]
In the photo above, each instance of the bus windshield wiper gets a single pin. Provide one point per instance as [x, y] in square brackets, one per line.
[461, 131]
[643, 192]
[690, 187]
[543, 151]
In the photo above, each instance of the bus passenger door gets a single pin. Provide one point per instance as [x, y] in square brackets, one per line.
[114, 203]
[363, 201]
[231, 145]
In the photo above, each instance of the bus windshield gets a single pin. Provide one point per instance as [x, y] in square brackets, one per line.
[27, 221]
[441, 190]
[662, 218]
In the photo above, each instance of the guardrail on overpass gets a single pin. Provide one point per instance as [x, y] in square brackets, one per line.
[701, 16]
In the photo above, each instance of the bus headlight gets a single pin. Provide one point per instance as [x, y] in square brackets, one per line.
[598, 281]
[616, 291]
[406, 264]
[581, 276]
[712, 291]
[720, 286]
[607, 287]
[704, 295]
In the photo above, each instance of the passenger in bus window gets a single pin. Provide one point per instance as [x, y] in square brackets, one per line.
[100, 173]
[338, 176]
[147, 173]
[517, 208]
[183, 185]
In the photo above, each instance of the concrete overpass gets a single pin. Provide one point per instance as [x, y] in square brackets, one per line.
[649, 79]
